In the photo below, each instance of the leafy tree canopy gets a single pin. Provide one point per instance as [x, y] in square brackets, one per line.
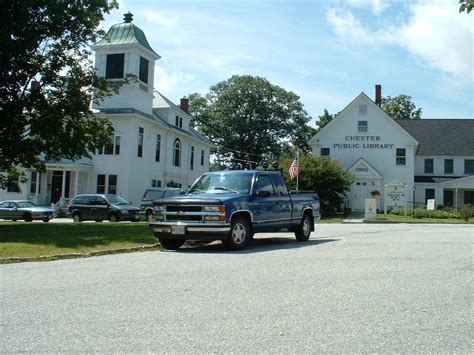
[47, 44]
[250, 119]
[323, 175]
[400, 107]
[324, 119]
[466, 5]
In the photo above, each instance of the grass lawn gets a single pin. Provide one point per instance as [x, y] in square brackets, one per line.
[26, 240]
[409, 219]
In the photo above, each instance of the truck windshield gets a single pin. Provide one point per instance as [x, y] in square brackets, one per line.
[222, 184]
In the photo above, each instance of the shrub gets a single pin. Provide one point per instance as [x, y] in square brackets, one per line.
[465, 212]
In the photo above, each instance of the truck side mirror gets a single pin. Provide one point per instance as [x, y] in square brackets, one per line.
[263, 193]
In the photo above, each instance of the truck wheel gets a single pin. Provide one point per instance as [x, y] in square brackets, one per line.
[304, 229]
[171, 244]
[240, 234]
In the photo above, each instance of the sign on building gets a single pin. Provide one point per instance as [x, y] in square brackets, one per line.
[395, 196]
[430, 205]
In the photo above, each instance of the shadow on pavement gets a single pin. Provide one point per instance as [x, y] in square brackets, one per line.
[259, 245]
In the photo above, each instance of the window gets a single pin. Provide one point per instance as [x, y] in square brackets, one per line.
[363, 110]
[178, 122]
[143, 75]
[265, 184]
[202, 157]
[140, 141]
[325, 152]
[469, 197]
[429, 166]
[448, 166]
[33, 184]
[158, 147]
[112, 188]
[155, 183]
[191, 163]
[362, 126]
[100, 184]
[12, 184]
[400, 158]
[114, 66]
[177, 152]
[469, 166]
[429, 195]
[111, 147]
[448, 198]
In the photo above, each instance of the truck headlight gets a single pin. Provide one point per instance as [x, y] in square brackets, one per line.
[214, 209]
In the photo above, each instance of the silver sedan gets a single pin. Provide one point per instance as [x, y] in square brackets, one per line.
[23, 209]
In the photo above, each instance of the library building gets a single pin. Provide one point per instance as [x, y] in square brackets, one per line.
[428, 158]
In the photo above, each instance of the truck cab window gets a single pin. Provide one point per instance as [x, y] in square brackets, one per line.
[265, 184]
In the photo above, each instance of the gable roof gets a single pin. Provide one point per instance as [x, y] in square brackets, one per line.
[364, 96]
[441, 136]
[161, 101]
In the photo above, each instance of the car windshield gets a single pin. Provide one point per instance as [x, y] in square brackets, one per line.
[26, 204]
[151, 195]
[117, 200]
[222, 183]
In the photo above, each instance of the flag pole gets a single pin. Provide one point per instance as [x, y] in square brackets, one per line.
[298, 170]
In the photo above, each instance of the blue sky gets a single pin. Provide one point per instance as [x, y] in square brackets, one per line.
[326, 51]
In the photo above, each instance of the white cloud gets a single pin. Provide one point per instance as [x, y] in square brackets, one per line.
[377, 6]
[168, 82]
[435, 32]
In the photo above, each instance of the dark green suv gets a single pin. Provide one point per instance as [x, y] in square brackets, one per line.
[97, 207]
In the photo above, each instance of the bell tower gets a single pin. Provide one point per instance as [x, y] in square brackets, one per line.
[125, 50]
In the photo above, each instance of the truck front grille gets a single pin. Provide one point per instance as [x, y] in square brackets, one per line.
[179, 208]
[183, 218]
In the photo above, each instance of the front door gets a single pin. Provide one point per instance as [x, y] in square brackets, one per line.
[56, 186]
[359, 194]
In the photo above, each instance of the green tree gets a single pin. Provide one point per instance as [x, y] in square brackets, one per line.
[324, 119]
[400, 107]
[248, 118]
[466, 5]
[323, 175]
[47, 83]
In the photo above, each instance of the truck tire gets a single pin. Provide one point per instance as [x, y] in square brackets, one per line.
[171, 244]
[303, 231]
[149, 216]
[240, 234]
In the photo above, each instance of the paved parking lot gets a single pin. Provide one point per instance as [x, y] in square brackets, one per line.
[351, 288]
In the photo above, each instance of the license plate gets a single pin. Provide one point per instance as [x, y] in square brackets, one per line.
[177, 229]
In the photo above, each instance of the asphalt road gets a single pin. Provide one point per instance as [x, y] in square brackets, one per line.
[352, 288]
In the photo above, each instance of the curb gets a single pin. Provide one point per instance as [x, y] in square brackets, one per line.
[81, 255]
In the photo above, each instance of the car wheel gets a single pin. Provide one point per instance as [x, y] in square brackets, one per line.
[76, 217]
[149, 216]
[46, 220]
[240, 234]
[14, 220]
[171, 244]
[303, 231]
[27, 217]
[113, 217]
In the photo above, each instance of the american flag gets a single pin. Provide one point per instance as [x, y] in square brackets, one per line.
[294, 169]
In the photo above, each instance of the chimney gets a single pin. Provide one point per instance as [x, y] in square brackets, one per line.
[378, 95]
[35, 86]
[185, 104]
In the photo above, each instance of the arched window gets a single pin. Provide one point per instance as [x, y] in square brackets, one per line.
[177, 152]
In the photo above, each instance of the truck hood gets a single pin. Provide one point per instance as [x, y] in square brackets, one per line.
[199, 199]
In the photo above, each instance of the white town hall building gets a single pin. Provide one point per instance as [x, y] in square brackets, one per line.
[432, 158]
[153, 144]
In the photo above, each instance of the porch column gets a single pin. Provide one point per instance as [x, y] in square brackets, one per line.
[456, 198]
[37, 186]
[64, 185]
[76, 182]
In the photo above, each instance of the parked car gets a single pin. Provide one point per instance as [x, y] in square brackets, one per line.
[152, 194]
[233, 205]
[23, 209]
[97, 207]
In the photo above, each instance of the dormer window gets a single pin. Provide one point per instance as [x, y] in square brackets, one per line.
[143, 75]
[179, 122]
[115, 66]
[362, 126]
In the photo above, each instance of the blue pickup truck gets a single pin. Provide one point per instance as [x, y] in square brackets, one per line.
[231, 206]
